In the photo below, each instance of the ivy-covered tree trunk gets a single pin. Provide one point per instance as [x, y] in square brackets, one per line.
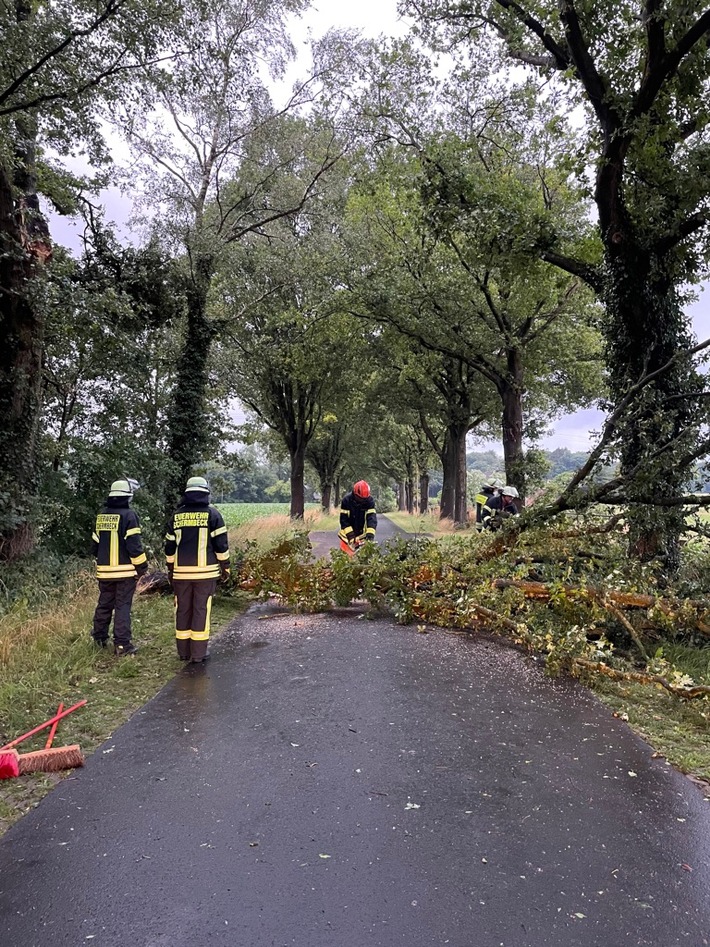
[189, 432]
[646, 331]
[24, 250]
[511, 393]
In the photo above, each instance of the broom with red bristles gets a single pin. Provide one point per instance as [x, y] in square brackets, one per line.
[50, 759]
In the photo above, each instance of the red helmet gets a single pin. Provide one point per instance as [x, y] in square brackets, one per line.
[361, 488]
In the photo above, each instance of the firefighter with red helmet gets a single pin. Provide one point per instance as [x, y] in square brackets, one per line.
[358, 518]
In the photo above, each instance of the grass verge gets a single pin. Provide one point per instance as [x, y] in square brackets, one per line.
[48, 657]
[678, 730]
[425, 524]
[268, 531]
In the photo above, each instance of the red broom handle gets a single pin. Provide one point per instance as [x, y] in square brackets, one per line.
[42, 726]
[50, 738]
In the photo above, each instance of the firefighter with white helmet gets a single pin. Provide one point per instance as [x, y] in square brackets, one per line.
[197, 553]
[499, 508]
[489, 488]
[120, 560]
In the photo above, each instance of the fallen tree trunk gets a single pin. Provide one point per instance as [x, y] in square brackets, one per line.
[640, 677]
[542, 592]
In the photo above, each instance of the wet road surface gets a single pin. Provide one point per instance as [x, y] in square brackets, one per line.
[329, 781]
[323, 542]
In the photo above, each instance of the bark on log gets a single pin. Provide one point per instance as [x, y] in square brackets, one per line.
[639, 677]
[542, 592]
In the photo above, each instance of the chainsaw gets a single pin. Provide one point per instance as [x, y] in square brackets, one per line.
[351, 547]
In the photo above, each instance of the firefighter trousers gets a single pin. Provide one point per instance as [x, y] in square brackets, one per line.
[193, 605]
[115, 598]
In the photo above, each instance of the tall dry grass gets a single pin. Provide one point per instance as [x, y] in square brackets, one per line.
[267, 531]
[23, 627]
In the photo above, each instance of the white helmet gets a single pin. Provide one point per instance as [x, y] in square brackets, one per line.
[508, 491]
[197, 485]
[121, 488]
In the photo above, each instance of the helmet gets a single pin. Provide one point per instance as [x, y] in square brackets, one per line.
[197, 485]
[361, 489]
[510, 492]
[121, 488]
[497, 483]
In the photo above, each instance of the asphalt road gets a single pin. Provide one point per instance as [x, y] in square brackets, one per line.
[328, 781]
[323, 542]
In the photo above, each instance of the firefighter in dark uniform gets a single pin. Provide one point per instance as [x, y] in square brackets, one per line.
[489, 489]
[499, 508]
[197, 552]
[358, 518]
[120, 559]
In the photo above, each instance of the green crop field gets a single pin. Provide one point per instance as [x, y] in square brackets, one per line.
[235, 514]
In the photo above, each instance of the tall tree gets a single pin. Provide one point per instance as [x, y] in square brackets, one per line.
[60, 63]
[286, 342]
[107, 374]
[642, 73]
[220, 159]
[462, 283]
[443, 399]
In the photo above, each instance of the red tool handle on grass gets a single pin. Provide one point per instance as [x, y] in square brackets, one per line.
[42, 726]
[50, 738]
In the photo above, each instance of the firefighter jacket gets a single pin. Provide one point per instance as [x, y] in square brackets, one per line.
[117, 545]
[481, 499]
[196, 539]
[494, 509]
[358, 519]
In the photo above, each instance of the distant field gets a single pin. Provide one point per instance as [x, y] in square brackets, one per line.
[236, 514]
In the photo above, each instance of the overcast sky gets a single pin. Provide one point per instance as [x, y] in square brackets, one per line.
[371, 16]
[375, 17]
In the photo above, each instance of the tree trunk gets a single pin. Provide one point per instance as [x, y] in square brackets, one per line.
[453, 491]
[402, 497]
[189, 433]
[411, 499]
[448, 487]
[424, 493]
[460, 500]
[326, 491]
[647, 329]
[511, 393]
[325, 455]
[298, 464]
[24, 250]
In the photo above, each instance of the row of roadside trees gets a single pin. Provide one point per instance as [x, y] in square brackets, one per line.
[391, 256]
